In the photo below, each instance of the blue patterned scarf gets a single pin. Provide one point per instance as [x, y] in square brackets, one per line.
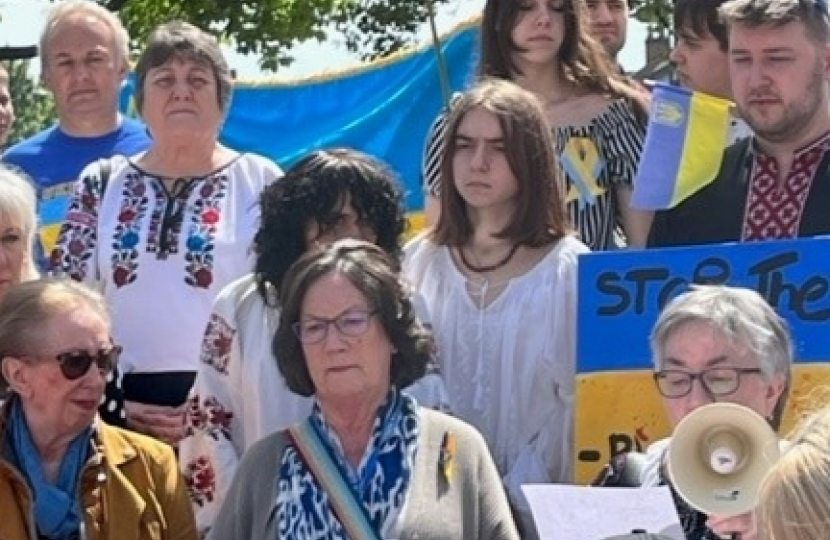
[57, 510]
[380, 482]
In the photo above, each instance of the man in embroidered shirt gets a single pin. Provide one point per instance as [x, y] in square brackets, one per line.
[775, 184]
[701, 54]
[84, 60]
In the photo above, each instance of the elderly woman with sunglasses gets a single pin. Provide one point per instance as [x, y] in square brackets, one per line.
[64, 474]
[368, 462]
[717, 344]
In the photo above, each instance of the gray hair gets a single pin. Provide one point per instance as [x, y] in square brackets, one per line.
[18, 206]
[740, 315]
[28, 306]
[71, 8]
[753, 13]
[179, 39]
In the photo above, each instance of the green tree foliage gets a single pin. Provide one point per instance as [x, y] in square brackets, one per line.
[34, 107]
[657, 14]
[271, 27]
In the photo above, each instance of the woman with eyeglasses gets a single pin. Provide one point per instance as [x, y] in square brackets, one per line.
[717, 344]
[239, 396]
[64, 474]
[350, 339]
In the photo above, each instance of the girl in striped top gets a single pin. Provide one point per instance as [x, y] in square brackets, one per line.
[598, 118]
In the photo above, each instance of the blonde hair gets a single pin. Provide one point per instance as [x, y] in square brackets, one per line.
[793, 499]
[70, 8]
[18, 206]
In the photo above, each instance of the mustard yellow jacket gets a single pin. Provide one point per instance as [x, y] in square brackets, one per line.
[131, 489]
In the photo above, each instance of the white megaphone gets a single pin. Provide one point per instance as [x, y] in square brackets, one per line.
[718, 456]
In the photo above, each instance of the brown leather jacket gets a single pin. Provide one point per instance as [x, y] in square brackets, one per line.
[131, 489]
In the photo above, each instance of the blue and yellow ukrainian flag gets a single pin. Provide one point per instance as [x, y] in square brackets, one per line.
[686, 137]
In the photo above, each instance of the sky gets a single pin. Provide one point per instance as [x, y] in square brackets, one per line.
[22, 20]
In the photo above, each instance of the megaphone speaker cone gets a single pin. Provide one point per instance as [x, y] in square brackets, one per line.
[724, 450]
[717, 457]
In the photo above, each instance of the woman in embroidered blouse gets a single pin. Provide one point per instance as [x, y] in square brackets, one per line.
[64, 474]
[498, 275]
[169, 227]
[717, 344]
[350, 338]
[598, 118]
[239, 395]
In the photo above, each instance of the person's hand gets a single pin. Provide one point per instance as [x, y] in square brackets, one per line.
[164, 423]
[725, 527]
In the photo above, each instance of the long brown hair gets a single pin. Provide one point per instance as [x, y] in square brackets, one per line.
[582, 58]
[540, 217]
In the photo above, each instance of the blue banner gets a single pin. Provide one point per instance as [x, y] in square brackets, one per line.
[621, 293]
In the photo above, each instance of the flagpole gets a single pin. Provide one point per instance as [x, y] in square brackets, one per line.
[441, 63]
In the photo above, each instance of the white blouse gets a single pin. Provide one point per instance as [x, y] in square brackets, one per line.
[509, 366]
[161, 256]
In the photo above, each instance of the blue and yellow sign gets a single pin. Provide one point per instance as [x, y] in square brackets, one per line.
[620, 296]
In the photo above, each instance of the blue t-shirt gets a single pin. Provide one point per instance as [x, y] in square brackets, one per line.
[54, 160]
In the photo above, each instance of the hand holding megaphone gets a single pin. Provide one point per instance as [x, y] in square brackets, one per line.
[717, 457]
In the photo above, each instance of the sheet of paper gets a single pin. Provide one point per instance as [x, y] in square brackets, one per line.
[566, 512]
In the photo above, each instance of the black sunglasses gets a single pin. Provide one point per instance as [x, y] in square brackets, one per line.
[75, 364]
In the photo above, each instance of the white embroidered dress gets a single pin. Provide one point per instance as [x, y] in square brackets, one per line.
[509, 366]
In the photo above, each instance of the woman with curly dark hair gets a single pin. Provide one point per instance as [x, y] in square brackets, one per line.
[239, 395]
[597, 116]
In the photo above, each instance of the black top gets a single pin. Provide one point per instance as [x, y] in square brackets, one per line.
[715, 214]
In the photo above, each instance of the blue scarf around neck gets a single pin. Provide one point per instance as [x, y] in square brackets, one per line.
[57, 509]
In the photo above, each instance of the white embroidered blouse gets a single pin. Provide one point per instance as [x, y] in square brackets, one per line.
[509, 366]
[161, 256]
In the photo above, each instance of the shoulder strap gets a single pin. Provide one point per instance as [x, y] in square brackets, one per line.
[347, 509]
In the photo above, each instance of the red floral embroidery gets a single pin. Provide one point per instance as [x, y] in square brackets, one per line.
[78, 237]
[216, 345]
[200, 479]
[195, 417]
[210, 216]
[207, 213]
[125, 239]
[218, 419]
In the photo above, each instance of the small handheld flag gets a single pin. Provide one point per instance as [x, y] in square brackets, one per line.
[686, 137]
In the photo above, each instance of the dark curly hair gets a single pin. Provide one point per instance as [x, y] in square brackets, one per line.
[312, 191]
[374, 272]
